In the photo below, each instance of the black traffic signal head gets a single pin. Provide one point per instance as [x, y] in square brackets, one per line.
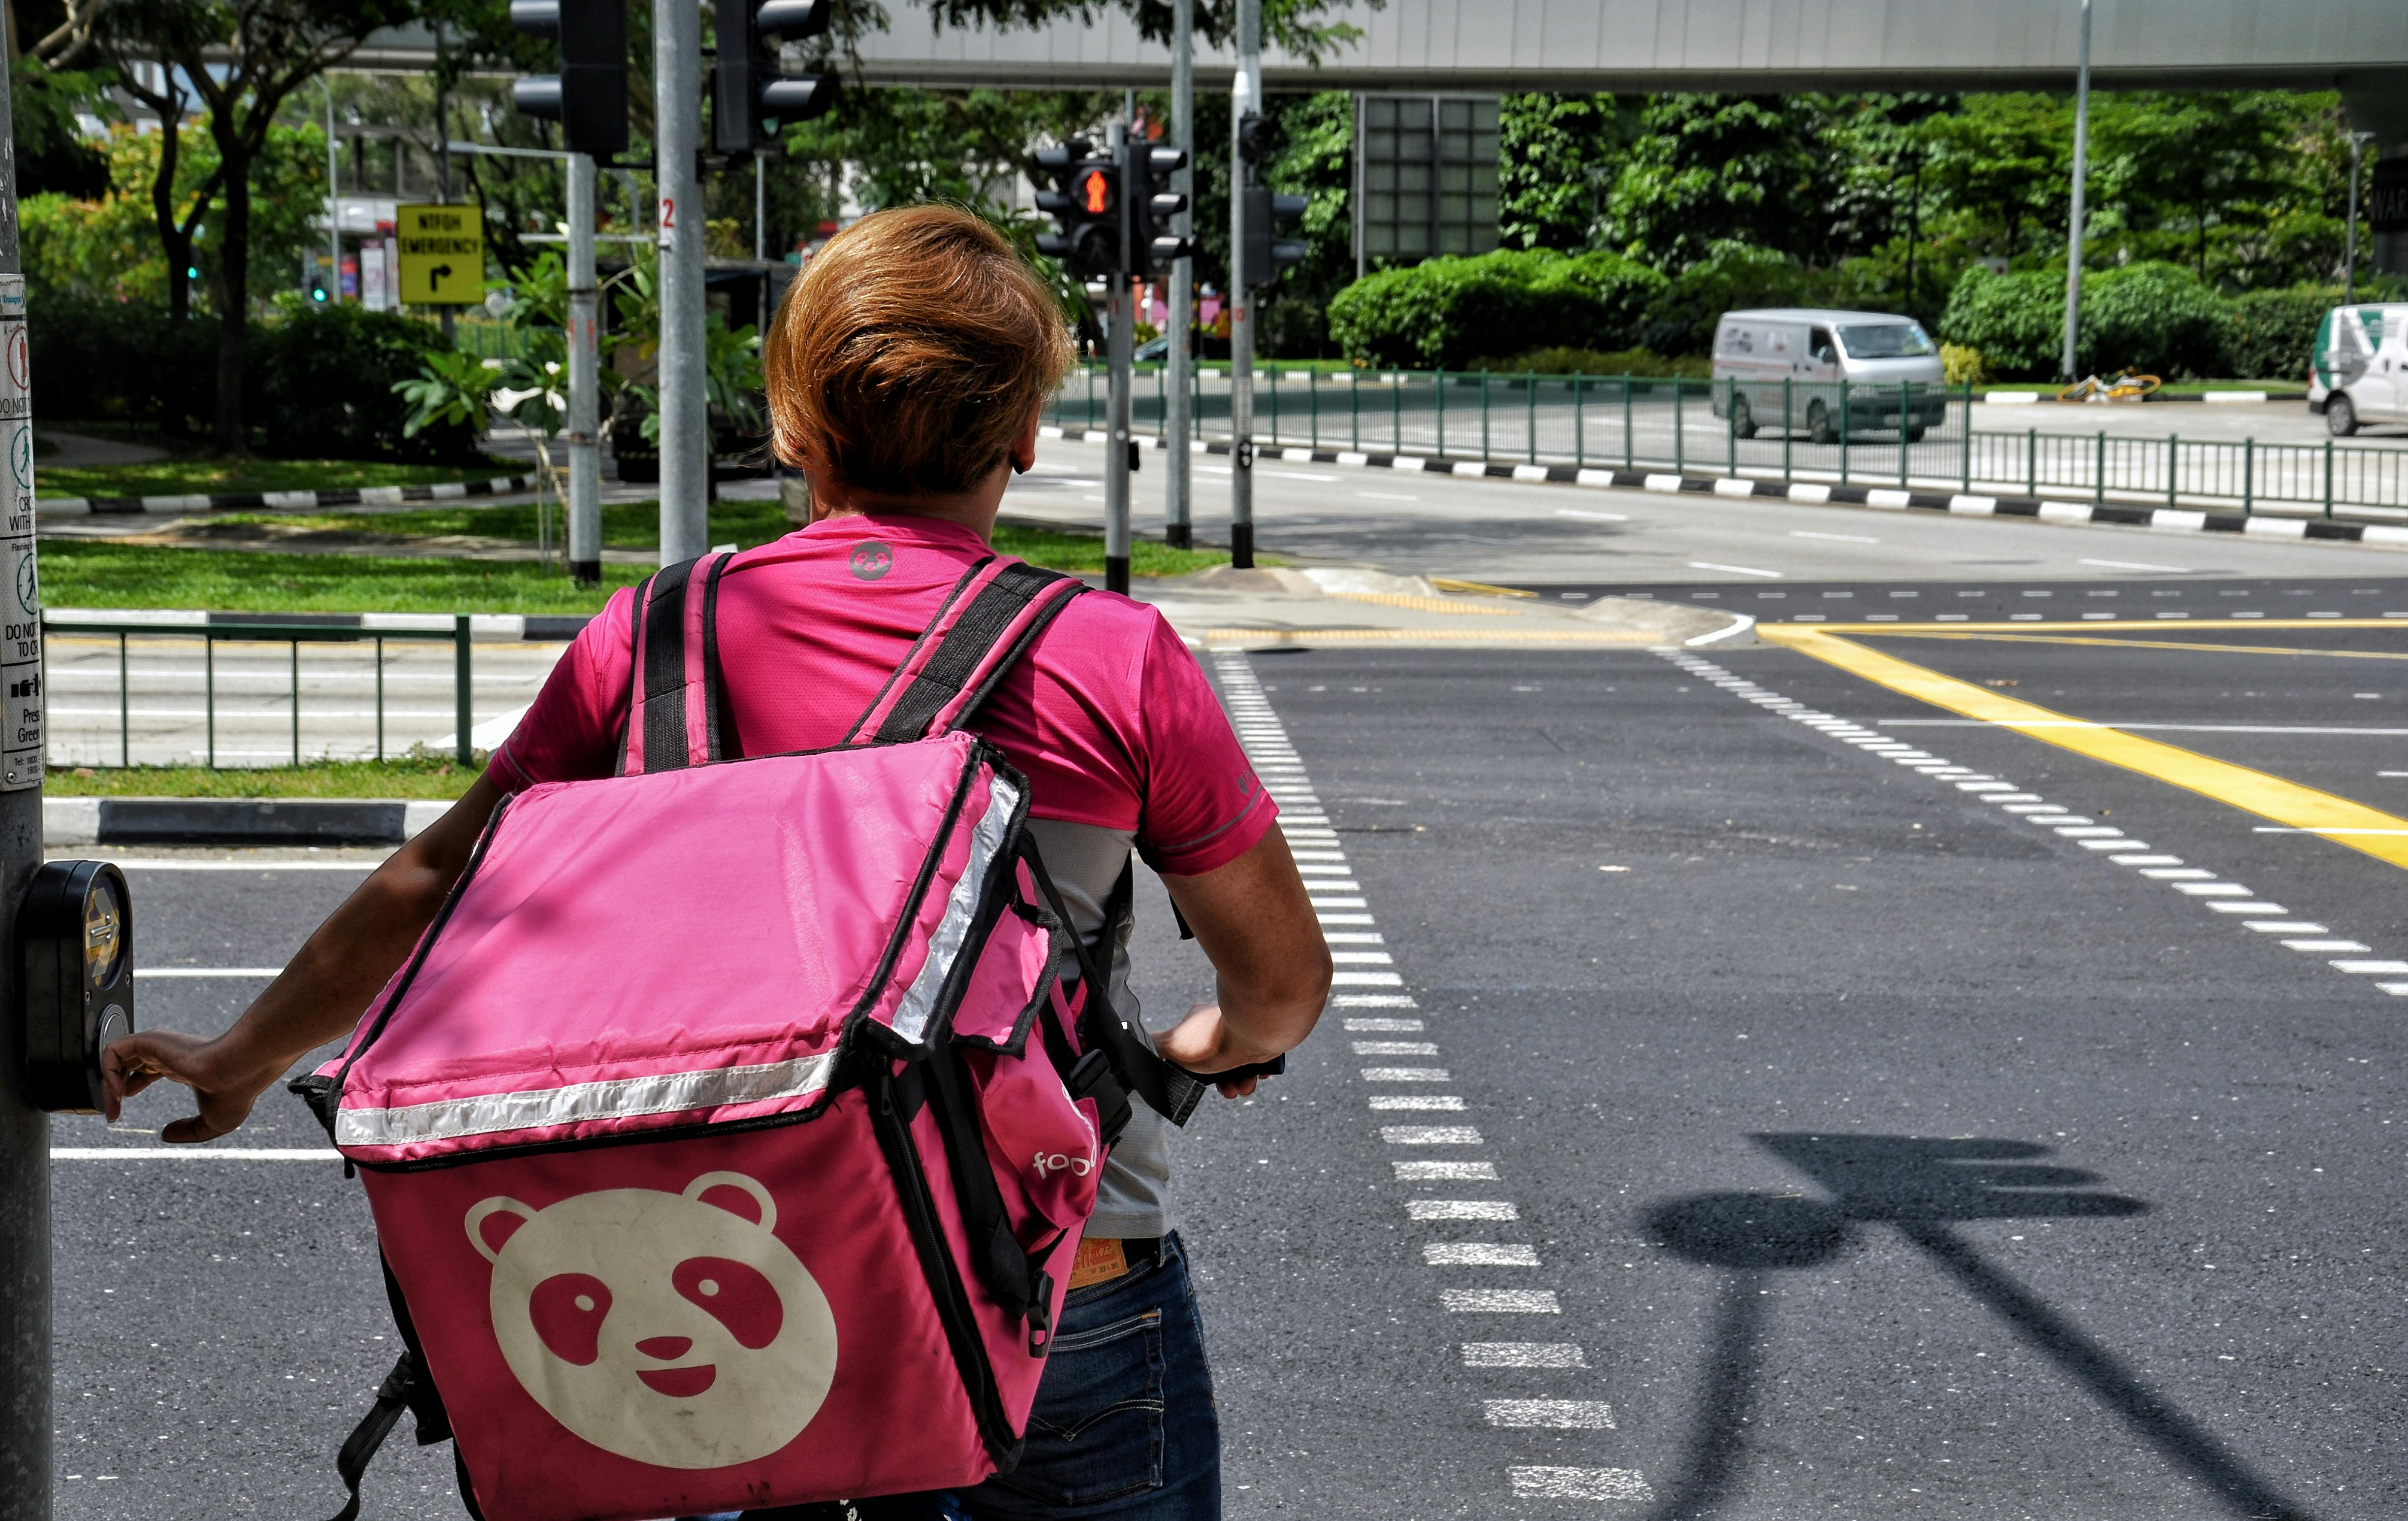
[1153, 243]
[1264, 255]
[751, 100]
[1256, 133]
[588, 97]
[1086, 205]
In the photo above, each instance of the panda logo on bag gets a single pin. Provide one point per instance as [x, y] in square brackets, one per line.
[675, 1330]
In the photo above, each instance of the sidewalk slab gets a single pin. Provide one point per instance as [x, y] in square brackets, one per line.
[235, 501]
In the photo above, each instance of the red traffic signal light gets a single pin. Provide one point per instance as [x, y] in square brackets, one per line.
[1096, 191]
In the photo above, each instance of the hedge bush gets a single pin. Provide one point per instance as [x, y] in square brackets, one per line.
[2155, 317]
[1445, 312]
[318, 381]
[1733, 277]
[2270, 333]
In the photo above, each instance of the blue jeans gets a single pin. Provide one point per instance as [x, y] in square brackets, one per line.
[1124, 1428]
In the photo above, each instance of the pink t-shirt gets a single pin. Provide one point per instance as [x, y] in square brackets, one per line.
[1109, 716]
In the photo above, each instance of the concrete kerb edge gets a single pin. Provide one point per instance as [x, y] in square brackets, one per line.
[2051, 509]
[483, 627]
[234, 821]
[281, 501]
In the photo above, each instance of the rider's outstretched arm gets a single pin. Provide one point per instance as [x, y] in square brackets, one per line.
[320, 996]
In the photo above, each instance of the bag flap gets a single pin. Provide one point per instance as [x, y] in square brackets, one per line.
[689, 947]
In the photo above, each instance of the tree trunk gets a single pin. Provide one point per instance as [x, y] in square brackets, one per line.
[234, 289]
[173, 239]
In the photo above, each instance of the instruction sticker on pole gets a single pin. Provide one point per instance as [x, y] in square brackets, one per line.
[441, 249]
[20, 606]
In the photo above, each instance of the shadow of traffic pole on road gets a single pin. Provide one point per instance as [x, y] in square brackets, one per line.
[1922, 1188]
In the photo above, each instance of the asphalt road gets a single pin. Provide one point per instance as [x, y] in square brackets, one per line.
[1520, 533]
[1753, 1116]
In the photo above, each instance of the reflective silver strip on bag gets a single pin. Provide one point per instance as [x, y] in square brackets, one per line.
[961, 906]
[617, 1099]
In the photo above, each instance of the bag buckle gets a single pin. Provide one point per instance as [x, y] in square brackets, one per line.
[1040, 1314]
[1093, 1077]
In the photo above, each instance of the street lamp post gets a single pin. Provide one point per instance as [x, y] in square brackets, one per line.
[1176, 510]
[1245, 96]
[2081, 176]
[684, 408]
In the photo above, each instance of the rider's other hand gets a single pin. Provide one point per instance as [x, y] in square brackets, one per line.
[1203, 1043]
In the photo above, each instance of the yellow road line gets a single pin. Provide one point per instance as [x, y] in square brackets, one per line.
[1448, 583]
[1920, 633]
[1429, 604]
[2272, 798]
[2160, 624]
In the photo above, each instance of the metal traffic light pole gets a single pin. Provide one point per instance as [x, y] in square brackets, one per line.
[584, 381]
[1245, 97]
[24, 1130]
[1119, 319]
[684, 404]
[1177, 505]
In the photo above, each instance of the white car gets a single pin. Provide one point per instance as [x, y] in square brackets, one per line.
[2359, 374]
[1815, 350]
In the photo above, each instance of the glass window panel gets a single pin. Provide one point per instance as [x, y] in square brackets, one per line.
[1378, 176]
[1484, 239]
[1379, 240]
[1413, 238]
[1455, 177]
[1483, 209]
[1483, 176]
[1380, 207]
[1454, 240]
[1454, 114]
[1484, 114]
[1455, 210]
[1379, 112]
[1379, 146]
[1413, 177]
[1413, 115]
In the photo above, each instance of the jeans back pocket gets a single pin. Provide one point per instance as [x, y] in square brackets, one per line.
[1095, 1430]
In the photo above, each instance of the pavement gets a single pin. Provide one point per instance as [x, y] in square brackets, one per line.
[1834, 1076]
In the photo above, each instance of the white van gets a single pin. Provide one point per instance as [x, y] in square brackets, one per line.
[1815, 350]
[2359, 373]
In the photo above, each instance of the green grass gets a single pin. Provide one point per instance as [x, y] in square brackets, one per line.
[95, 573]
[410, 777]
[193, 477]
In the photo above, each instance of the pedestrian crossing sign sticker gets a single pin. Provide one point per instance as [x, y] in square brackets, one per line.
[442, 255]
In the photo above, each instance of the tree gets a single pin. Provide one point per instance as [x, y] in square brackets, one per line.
[1559, 156]
[242, 59]
[1708, 169]
[2199, 163]
[2002, 162]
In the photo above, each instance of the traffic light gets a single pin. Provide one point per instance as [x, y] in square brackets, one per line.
[1086, 204]
[588, 97]
[1154, 246]
[1265, 256]
[750, 99]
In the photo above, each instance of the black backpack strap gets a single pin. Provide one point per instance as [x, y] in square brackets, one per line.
[676, 711]
[407, 1387]
[1129, 1054]
[989, 620]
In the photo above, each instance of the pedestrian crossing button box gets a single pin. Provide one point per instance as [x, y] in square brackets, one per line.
[75, 980]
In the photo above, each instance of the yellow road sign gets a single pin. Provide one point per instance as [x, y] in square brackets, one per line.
[442, 252]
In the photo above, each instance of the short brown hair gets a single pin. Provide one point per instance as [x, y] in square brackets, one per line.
[911, 353]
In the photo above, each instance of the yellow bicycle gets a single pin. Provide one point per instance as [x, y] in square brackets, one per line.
[2131, 385]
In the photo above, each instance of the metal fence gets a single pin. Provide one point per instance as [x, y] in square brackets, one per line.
[1906, 435]
[266, 631]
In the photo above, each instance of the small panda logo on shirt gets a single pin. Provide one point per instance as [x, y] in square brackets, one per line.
[675, 1330]
[871, 559]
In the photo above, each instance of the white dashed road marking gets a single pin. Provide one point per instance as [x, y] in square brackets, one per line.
[2221, 896]
[1321, 862]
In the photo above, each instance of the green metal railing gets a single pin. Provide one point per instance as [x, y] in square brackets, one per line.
[292, 634]
[1902, 433]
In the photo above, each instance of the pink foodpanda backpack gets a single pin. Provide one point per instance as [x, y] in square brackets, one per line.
[731, 1129]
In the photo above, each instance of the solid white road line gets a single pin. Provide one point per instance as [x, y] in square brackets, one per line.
[1480, 1255]
[1579, 1483]
[1445, 1171]
[1553, 1414]
[149, 864]
[1523, 1355]
[209, 971]
[1460, 1209]
[193, 1154]
[1500, 1301]
[1736, 569]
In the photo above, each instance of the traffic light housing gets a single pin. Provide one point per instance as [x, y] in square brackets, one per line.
[1086, 204]
[1152, 246]
[588, 97]
[1264, 256]
[751, 100]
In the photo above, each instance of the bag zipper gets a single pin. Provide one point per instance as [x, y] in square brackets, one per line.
[944, 1279]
